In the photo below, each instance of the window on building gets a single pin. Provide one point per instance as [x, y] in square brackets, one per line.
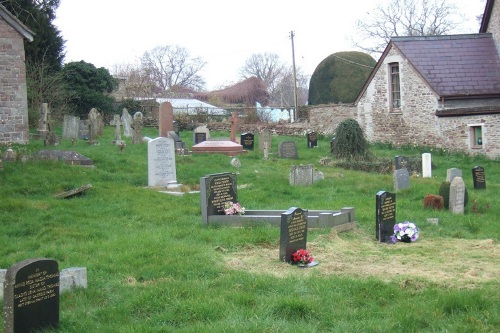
[476, 136]
[395, 86]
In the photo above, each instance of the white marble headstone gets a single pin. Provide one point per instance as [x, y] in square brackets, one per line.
[426, 165]
[161, 162]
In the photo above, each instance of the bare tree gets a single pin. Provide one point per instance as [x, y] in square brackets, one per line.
[137, 83]
[265, 66]
[404, 18]
[284, 91]
[169, 66]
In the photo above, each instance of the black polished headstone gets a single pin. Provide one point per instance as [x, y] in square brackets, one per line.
[312, 140]
[402, 162]
[478, 177]
[200, 137]
[293, 232]
[247, 141]
[31, 296]
[215, 191]
[385, 216]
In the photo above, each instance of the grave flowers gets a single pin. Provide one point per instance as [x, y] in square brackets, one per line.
[233, 208]
[302, 257]
[405, 232]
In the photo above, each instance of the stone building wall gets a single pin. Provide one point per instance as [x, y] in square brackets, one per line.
[494, 23]
[13, 92]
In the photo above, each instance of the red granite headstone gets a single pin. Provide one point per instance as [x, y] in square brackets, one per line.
[166, 119]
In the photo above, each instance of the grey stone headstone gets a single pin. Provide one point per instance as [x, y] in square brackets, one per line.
[457, 195]
[312, 139]
[385, 206]
[301, 175]
[161, 162]
[401, 179]
[137, 128]
[127, 123]
[200, 134]
[452, 173]
[94, 124]
[402, 162]
[31, 296]
[215, 191]
[236, 162]
[71, 125]
[83, 131]
[288, 149]
[293, 232]
[265, 136]
[478, 177]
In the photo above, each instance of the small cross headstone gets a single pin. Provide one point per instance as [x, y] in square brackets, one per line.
[166, 119]
[401, 162]
[161, 162]
[293, 232]
[301, 175]
[385, 216]
[452, 173]
[215, 191]
[234, 121]
[247, 141]
[264, 137]
[127, 123]
[288, 149]
[31, 296]
[457, 195]
[137, 128]
[312, 139]
[426, 165]
[478, 177]
[401, 179]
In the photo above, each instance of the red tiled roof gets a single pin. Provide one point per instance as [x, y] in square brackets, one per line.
[454, 65]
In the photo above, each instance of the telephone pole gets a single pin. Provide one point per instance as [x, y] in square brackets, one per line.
[295, 99]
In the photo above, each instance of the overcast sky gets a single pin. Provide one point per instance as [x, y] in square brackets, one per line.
[224, 33]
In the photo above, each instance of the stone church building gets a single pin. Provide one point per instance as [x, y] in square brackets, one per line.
[13, 92]
[441, 91]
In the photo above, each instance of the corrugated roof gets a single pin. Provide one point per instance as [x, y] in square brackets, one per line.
[454, 65]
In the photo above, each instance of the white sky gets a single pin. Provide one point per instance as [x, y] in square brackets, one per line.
[224, 33]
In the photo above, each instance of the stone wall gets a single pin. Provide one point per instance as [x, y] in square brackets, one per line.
[13, 91]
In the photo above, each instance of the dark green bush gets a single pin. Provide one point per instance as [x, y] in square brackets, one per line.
[350, 142]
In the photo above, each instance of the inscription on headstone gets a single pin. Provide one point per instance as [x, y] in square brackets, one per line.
[31, 296]
[288, 149]
[161, 162]
[385, 216]
[457, 195]
[200, 134]
[401, 179]
[215, 191]
[478, 177]
[247, 141]
[293, 232]
[312, 139]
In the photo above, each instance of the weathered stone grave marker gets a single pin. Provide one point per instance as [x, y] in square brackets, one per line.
[247, 141]
[137, 128]
[452, 173]
[31, 296]
[301, 175]
[385, 216]
[71, 126]
[288, 149]
[312, 139]
[457, 195]
[265, 137]
[293, 232]
[161, 162]
[401, 179]
[402, 162]
[127, 123]
[478, 177]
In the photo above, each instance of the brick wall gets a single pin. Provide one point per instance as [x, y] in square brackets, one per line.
[13, 95]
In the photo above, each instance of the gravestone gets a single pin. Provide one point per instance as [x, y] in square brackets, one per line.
[265, 136]
[200, 134]
[312, 139]
[83, 131]
[234, 121]
[401, 162]
[118, 131]
[332, 143]
[137, 128]
[31, 296]
[93, 124]
[293, 232]
[401, 179]
[426, 165]
[166, 119]
[385, 216]
[127, 123]
[478, 177]
[288, 149]
[71, 125]
[266, 151]
[161, 162]
[42, 122]
[215, 191]
[301, 175]
[247, 141]
[457, 195]
[452, 173]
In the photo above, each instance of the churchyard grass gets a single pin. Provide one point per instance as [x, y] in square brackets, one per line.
[154, 267]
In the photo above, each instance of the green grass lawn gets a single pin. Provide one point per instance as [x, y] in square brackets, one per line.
[153, 266]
